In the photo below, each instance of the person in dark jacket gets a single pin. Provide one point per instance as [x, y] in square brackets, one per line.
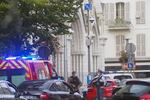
[74, 82]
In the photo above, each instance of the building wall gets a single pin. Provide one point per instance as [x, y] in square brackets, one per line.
[135, 29]
[76, 56]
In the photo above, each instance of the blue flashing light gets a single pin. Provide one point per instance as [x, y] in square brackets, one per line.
[34, 58]
[30, 58]
[11, 58]
[25, 58]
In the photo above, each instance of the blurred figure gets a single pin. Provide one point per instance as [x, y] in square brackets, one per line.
[74, 82]
[99, 72]
[100, 76]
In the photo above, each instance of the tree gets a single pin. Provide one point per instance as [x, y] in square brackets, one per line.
[123, 57]
[24, 24]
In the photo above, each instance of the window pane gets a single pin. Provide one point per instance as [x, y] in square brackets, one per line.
[53, 87]
[120, 10]
[65, 88]
[1, 90]
[5, 88]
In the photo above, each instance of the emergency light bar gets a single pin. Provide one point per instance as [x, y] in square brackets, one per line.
[11, 58]
[25, 58]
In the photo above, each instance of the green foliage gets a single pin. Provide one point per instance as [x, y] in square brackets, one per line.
[123, 57]
[23, 19]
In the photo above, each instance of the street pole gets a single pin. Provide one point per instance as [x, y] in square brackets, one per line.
[65, 58]
[130, 49]
[88, 45]
[88, 7]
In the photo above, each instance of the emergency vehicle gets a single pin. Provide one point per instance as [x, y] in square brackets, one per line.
[19, 70]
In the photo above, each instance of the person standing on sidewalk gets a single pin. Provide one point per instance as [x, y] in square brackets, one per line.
[74, 82]
[101, 81]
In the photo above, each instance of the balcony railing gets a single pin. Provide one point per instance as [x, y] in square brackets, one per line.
[119, 24]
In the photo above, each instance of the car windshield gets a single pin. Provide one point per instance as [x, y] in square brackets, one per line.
[121, 77]
[136, 89]
[38, 85]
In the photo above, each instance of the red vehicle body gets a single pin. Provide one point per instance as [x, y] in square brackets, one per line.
[17, 71]
[92, 90]
[145, 97]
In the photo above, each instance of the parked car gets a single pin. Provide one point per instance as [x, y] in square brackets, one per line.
[122, 83]
[119, 76]
[134, 90]
[8, 91]
[48, 90]
[108, 88]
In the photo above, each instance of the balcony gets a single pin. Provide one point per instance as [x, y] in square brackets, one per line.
[119, 24]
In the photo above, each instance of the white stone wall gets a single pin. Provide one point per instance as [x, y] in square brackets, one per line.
[110, 50]
[135, 29]
[77, 52]
[77, 58]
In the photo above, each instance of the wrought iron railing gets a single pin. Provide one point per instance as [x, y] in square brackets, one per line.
[119, 23]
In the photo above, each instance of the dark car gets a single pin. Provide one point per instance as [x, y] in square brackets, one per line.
[48, 90]
[134, 90]
[8, 91]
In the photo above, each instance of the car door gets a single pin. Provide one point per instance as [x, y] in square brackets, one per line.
[9, 91]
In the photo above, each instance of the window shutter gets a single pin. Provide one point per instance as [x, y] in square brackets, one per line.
[142, 12]
[106, 13]
[120, 41]
[127, 13]
[111, 11]
[137, 12]
[138, 9]
[143, 45]
[140, 45]
[117, 45]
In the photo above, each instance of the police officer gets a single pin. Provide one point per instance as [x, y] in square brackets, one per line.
[74, 82]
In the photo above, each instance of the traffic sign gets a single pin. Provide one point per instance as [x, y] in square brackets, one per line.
[130, 65]
[88, 6]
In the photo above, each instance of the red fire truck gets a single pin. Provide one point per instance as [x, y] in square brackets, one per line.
[18, 70]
